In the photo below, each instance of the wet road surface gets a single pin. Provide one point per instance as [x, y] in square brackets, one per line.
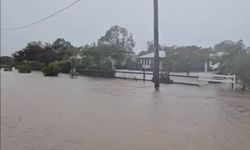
[41, 113]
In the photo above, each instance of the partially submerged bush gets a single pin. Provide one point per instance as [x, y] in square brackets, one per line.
[97, 73]
[241, 67]
[65, 66]
[51, 69]
[8, 68]
[25, 68]
[165, 77]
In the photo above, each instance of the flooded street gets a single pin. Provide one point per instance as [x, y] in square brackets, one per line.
[42, 113]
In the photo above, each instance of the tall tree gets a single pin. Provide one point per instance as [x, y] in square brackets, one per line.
[37, 51]
[231, 51]
[185, 58]
[95, 57]
[65, 48]
[236, 61]
[32, 49]
[61, 44]
[240, 66]
[118, 41]
[151, 48]
[230, 46]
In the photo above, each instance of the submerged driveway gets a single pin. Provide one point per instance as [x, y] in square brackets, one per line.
[42, 113]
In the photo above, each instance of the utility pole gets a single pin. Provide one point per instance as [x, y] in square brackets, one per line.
[156, 46]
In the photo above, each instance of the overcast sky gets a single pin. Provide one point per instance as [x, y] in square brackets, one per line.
[182, 22]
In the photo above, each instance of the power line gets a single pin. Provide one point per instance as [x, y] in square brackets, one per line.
[43, 19]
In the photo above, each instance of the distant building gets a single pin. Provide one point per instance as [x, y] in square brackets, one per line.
[212, 64]
[147, 61]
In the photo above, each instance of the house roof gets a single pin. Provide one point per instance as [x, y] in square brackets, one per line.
[162, 54]
[218, 54]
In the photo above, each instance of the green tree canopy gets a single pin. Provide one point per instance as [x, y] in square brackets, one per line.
[185, 58]
[6, 60]
[46, 52]
[150, 48]
[117, 42]
[240, 66]
[236, 61]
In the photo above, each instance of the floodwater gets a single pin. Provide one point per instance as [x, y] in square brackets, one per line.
[60, 113]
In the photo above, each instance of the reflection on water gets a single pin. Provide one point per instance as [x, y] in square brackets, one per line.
[109, 114]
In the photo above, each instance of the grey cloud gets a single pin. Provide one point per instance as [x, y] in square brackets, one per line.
[182, 22]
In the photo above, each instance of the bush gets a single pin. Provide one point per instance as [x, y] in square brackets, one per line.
[97, 73]
[25, 68]
[165, 78]
[65, 66]
[8, 68]
[52, 69]
[104, 66]
[6, 60]
[38, 66]
[241, 67]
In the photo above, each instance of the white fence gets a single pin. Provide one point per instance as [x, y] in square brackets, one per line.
[219, 79]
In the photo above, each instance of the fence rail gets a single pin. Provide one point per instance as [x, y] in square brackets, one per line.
[147, 76]
[219, 79]
[151, 73]
[194, 80]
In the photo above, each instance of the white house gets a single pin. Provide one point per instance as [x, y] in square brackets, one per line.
[146, 61]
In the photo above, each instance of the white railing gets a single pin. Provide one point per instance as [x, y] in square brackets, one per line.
[219, 79]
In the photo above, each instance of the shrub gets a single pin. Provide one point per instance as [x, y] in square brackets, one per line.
[241, 67]
[65, 66]
[165, 78]
[51, 69]
[25, 68]
[6, 60]
[38, 66]
[8, 68]
[103, 66]
[97, 73]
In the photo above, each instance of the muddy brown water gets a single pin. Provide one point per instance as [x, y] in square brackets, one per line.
[42, 113]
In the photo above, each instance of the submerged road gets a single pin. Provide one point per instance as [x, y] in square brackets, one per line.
[42, 113]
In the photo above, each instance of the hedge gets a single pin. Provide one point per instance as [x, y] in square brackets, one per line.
[96, 73]
[25, 68]
[51, 70]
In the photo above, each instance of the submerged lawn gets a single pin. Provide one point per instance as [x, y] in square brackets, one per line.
[61, 113]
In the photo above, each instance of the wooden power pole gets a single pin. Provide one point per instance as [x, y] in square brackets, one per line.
[156, 46]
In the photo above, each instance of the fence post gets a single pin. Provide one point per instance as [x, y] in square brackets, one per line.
[199, 80]
[234, 82]
[144, 76]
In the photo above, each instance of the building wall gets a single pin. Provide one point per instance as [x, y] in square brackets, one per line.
[147, 63]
